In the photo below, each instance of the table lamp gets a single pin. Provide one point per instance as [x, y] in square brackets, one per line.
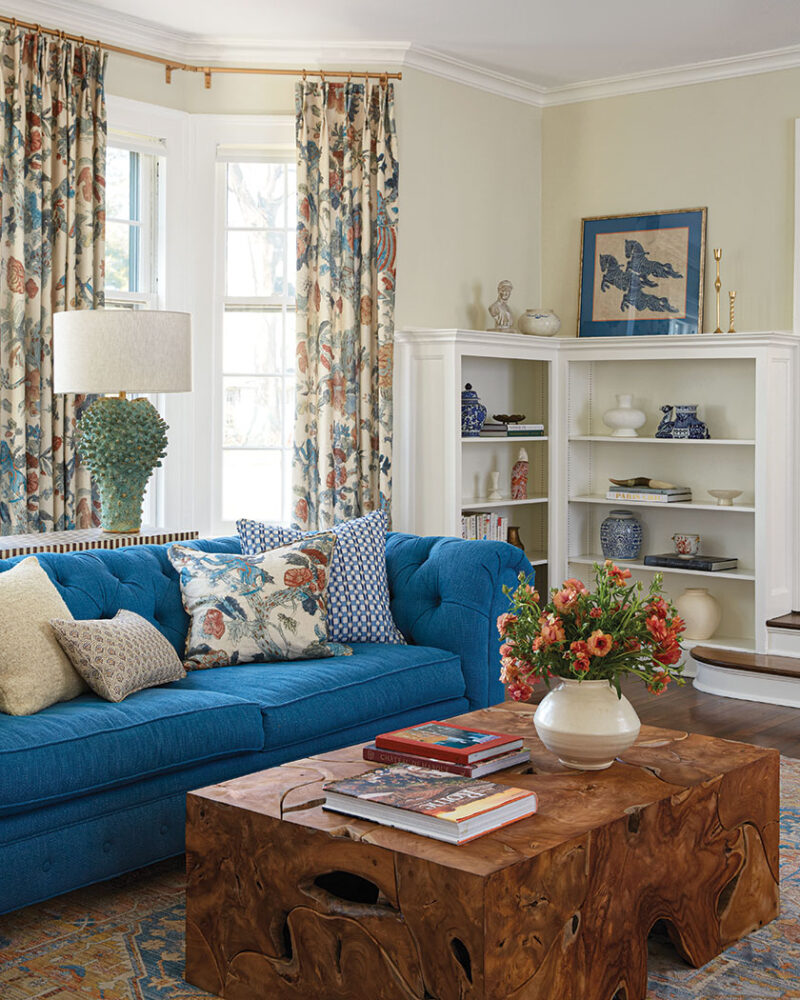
[121, 440]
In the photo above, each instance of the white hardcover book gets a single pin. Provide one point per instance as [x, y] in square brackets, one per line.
[632, 495]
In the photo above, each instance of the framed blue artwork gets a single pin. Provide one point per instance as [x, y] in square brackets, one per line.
[642, 274]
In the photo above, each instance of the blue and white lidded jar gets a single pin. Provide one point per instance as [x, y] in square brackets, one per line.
[473, 413]
[621, 535]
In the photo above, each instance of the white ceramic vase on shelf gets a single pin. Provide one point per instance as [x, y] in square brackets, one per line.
[701, 612]
[539, 322]
[623, 419]
[585, 724]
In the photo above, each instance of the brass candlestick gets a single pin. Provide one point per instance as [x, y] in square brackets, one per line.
[718, 285]
[732, 297]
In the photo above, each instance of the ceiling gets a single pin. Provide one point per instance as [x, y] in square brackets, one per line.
[544, 45]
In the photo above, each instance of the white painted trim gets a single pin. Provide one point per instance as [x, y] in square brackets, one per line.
[796, 289]
[675, 76]
[134, 32]
[745, 685]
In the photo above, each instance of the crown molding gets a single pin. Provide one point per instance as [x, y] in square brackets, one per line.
[677, 76]
[130, 31]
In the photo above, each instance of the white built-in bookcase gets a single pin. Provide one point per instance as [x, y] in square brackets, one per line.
[747, 390]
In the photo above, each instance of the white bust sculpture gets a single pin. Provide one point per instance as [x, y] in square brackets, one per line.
[499, 310]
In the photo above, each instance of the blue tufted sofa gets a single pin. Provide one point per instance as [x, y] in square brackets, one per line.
[90, 789]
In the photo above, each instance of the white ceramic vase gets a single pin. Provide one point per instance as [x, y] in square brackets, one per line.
[624, 420]
[701, 612]
[585, 724]
[540, 322]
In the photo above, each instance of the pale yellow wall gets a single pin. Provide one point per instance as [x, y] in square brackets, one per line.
[727, 145]
[470, 168]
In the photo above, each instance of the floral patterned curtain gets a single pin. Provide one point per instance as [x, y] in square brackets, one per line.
[346, 240]
[52, 226]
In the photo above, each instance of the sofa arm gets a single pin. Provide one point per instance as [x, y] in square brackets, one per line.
[448, 593]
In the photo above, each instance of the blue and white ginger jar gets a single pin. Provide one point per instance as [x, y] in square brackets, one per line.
[473, 413]
[621, 535]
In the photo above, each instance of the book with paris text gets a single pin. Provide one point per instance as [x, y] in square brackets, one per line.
[442, 741]
[431, 803]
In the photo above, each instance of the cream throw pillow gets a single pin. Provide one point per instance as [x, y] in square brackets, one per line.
[34, 670]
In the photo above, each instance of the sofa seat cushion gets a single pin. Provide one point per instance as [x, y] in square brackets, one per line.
[87, 744]
[317, 697]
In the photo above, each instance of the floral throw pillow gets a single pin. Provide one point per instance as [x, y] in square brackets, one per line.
[256, 609]
[359, 609]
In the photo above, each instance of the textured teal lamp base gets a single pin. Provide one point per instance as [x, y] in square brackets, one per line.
[122, 441]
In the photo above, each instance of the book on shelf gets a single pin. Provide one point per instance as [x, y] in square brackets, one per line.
[526, 430]
[483, 526]
[708, 564]
[432, 803]
[506, 758]
[442, 741]
[653, 496]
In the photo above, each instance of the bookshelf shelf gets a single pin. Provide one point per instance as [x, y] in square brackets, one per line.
[683, 442]
[679, 505]
[638, 564]
[505, 502]
[505, 439]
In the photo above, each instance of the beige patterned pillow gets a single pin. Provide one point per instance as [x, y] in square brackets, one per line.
[120, 655]
[34, 672]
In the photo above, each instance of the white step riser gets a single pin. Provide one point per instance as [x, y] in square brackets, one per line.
[748, 685]
[783, 641]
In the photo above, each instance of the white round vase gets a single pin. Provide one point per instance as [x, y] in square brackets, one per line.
[624, 420]
[701, 612]
[585, 724]
[540, 322]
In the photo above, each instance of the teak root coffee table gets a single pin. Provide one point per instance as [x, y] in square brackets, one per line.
[289, 902]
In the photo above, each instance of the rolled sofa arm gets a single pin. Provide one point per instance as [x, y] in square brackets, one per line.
[448, 593]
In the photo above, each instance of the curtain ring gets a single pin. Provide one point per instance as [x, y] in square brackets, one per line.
[305, 75]
[322, 76]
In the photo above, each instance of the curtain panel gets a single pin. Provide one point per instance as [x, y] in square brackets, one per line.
[347, 182]
[52, 230]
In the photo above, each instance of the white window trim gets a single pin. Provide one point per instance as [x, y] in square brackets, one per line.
[215, 138]
[153, 129]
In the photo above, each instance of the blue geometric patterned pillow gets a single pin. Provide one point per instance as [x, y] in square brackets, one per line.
[358, 591]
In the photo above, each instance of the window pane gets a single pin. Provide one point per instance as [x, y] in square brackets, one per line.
[118, 256]
[291, 265]
[256, 264]
[118, 183]
[256, 195]
[253, 416]
[290, 348]
[291, 181]
[251, 342]
[251, 485]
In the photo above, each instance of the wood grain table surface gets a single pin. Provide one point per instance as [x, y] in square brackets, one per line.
[286, 900]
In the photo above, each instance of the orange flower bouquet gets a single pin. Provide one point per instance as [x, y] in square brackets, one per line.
[616, 629]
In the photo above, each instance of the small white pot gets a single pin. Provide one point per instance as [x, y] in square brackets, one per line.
[539, 322]
[624, 420]
[585, 724]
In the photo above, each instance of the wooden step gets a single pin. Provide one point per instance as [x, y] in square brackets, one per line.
[790, 621]
[758, 663]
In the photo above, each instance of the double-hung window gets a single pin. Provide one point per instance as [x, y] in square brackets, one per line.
[257, 322]
[132, 230]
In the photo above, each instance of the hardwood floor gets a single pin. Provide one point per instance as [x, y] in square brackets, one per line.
[728, 718]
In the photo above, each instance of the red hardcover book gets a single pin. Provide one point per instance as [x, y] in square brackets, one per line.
[503, 760]
[445, 742]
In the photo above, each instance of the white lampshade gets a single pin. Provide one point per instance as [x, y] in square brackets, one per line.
[122, 350]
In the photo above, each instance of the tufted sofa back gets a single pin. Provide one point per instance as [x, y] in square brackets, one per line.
[97, 583]
[445, 593]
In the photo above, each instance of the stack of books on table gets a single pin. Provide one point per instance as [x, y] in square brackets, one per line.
[468, 752]
[484, 527]
[651, 494]
[433, 789]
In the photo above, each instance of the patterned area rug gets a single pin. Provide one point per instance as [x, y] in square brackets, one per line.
[123, 940]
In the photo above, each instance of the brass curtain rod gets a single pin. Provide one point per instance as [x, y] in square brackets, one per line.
[171, 64]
